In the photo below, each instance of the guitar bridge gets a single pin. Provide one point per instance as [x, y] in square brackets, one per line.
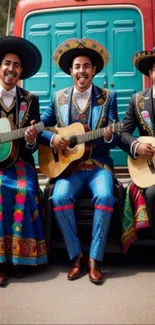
[55, 155]
[151, 166]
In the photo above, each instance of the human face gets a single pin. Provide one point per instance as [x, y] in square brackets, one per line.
[10, 71]
[152, 74]
[82, 72]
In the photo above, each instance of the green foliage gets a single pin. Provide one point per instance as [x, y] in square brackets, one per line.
[4, 5]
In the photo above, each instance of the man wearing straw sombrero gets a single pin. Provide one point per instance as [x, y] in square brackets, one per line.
[22, 241]
[140, 114]
[88, 104]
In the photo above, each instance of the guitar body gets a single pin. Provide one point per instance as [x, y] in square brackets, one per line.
[8, 151]
[64, 163]
[142, 174]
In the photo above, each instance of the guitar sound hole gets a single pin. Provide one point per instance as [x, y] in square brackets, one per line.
[71, 146]
[72, 141]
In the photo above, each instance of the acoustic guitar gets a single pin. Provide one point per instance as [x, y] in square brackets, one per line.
[142, 171]
[9, 136]
[56, 162]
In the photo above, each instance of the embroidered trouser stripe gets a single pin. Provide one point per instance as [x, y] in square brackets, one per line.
[102, 187]
[66, 220]
[101, 224]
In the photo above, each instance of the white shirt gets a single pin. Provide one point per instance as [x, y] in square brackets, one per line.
[153, 91]
[82, 98]
[7, 96]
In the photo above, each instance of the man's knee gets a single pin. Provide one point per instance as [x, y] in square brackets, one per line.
[59, 200]
[107, 199]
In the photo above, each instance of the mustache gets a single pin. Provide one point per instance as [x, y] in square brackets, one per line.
[82, 75]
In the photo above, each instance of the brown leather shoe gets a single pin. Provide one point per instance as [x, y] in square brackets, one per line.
[95, 274]
[77, 267]
[3, 278]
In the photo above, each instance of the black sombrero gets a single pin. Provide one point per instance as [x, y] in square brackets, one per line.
[68, 50]
[143, 60]
[29, 54]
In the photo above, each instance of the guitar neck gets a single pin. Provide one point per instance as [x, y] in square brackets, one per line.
[90, 135]
[12, 135]
[18, 133]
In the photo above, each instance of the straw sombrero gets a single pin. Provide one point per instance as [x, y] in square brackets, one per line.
[68, 50]
[143, 60]
[29, 54]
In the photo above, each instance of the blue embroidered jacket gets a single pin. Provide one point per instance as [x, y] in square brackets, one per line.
[102, 111]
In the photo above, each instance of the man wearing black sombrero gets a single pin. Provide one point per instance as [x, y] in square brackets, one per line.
[22, 240]
[96, 108]
[140, 114]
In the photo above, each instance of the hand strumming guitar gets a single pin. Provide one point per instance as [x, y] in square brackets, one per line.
[59, 142]
[145, 150]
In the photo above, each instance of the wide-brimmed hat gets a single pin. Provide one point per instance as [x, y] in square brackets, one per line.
[73, 47]
[29, 54]
[143, 60]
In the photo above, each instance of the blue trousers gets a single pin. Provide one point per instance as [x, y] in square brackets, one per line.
[101, 184]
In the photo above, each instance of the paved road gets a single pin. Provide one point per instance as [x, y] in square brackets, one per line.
[127, 295]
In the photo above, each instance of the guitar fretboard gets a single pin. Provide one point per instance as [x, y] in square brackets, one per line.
[90, 135]
[14, 134]
[96, 134]
[17, 133]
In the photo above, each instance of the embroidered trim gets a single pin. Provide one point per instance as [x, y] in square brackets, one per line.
[58, 96]
[28, 99]
[61, 99]
[65, 207]
[60, 119]
[8, 116]
[20, 197]
[102, 100]
[75, 43]
[22, 110]
[23, 250]
[7, 109]
[15, 248]
[81, 111]
[35, 216]
[104, 207]
[140, 101]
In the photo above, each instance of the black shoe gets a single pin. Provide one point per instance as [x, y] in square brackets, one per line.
[17, 271]
[3, 276]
